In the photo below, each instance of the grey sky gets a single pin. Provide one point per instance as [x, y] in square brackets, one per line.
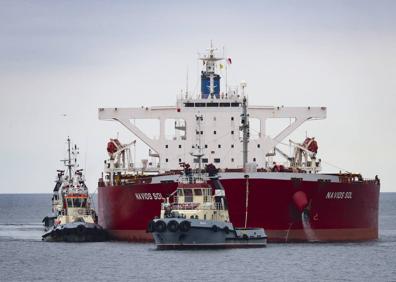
[72, 57]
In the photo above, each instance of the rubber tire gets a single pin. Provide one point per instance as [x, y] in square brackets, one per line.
[184, 226]
[173, 226]
[160, 226]
[81, 228]
[151, 227]
[215, 228]
[226, 230]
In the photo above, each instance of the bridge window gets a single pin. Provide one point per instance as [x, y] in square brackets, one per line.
[232, 145]
[179, 160]
[224, 104]
[214, 132]
[232, 160]
[258, 145]
[189, 105]
[232, 118]
[166, 160]
[216, 160]
[179, 146]
[200, 104]
[205, 160]
[166, 146]
[212, 104]
[206, 146]
[235, 104]
[254, 159]
[219, 146]
[232, 132]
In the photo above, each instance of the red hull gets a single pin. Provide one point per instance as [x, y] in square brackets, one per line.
[337, 211]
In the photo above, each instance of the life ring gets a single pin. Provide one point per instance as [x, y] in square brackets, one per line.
[160, 226]
[151, 227]
[173, 226]
[184, 226]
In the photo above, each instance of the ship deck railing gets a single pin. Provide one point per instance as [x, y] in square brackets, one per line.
[194, 206]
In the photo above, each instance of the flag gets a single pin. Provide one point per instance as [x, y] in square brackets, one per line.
[229, 61]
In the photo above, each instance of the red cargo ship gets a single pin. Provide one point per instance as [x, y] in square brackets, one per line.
[292, 201]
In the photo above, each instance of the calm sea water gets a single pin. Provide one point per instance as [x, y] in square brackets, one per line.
[24, 257]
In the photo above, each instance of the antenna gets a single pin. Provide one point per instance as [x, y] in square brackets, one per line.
[245, 130]
[187, 83]
[226, 71]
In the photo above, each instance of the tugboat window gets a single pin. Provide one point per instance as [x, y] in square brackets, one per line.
[188, 195]
[197, 192]
[69, 203]
[77, 203]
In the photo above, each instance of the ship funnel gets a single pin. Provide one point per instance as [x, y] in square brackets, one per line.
[210, 80]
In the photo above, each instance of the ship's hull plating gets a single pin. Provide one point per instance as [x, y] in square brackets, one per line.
[335, 211]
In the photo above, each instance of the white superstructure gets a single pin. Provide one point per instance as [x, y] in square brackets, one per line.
[219, 128]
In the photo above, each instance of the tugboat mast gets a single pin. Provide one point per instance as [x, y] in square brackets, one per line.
[69, 166]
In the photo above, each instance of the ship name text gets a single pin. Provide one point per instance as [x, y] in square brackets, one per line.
[148, 196]
[339, 195]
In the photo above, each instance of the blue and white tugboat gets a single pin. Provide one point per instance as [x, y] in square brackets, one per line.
[195, 217]
[73, 219]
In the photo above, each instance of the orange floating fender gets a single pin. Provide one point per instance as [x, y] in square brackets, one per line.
[300, 199]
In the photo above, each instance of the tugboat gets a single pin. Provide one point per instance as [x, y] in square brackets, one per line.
[72, 219]
[193, 217]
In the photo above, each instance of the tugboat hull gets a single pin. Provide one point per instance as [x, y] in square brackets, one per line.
[178, 233]
[76, 232]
